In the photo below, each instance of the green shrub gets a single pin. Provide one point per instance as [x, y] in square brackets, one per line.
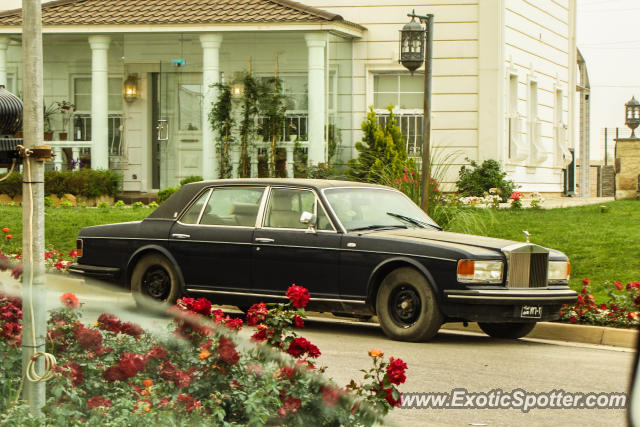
[382, 147]
[189, 179]
[477, 180]
[166, 193]
[66, 204]
[48, 201]
[119, 204]
[103, 205]
[153, 205]
[137, 205]
[11, 186]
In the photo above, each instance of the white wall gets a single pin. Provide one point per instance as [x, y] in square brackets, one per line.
[537, 49]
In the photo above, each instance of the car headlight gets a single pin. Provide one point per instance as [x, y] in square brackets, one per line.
[474, 271]
[559, 271]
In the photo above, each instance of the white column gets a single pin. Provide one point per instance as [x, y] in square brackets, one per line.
[210, 75]
[289, 146]
[316, 43]
[254, 162]
[235, 160]
[4, 45]
[99, 101]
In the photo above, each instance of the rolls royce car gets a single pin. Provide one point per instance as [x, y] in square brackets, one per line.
[360, 249]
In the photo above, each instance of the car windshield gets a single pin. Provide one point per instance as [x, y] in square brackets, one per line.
[370, 208]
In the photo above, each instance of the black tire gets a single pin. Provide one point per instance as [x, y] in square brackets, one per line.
[406, 306]
[507, 330]
[155, 283]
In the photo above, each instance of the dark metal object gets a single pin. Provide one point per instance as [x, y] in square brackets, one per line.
[9, 152]
[632, 115]
[10, 113]
[415, 44]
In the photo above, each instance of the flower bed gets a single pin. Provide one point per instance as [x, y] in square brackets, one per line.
[115, 373]
[620, 310]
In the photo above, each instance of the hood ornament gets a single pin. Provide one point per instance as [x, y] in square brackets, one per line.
[526, 235]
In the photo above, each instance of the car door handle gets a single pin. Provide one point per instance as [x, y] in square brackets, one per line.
[181, 236]
[264, 240]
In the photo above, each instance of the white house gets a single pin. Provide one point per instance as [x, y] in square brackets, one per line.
[504, 79]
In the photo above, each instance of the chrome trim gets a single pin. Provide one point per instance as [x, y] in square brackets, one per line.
[181, 236]
[209, 291]
[511, 292]
[264, 240]
[506, 297]
[74, 270]
[126, 238]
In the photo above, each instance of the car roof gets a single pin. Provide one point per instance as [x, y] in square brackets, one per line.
[177, 202]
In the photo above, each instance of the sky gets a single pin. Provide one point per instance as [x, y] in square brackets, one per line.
[608, 35]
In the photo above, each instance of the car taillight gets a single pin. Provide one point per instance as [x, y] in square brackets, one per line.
[79, 248]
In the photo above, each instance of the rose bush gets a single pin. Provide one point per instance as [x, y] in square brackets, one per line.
[622, 308]
[115, 373]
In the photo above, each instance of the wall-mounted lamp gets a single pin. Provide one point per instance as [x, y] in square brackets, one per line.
[130, 91]
[237, 90]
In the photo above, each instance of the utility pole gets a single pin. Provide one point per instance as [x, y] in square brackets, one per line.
[33, 277]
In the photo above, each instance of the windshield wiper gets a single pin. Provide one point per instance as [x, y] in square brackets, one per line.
[413, 221]
[377, 227]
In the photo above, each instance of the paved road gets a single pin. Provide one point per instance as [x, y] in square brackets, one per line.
[452, 360]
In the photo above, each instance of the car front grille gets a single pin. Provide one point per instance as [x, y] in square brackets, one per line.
[527, 269]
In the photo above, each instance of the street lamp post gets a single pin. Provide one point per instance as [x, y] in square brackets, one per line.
[632, 115]
[416, 45]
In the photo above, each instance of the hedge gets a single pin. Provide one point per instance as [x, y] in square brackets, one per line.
[83, 182]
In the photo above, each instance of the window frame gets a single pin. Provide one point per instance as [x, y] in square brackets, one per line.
[317, 203]
[211, 190]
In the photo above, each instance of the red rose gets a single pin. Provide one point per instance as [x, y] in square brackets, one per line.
[390, 398]
[618, 285]
[114, 373]
[191, 403]
[235, 324]
[290, 404]
[132, 329]
[98, 401]
[256, 314]
[181, 379]
[157, 353]
[573, 319]
[227, 352]
[69, 300]
[5, 230]
[16, 272]
[261, 335]
[395, 371]
[299, 346]
[109, 322]
[9, 236]
[586, 281]
[72, 370]
[298, 321]
[298, 295]
[88, 339]
[202, 306]
[329, 396]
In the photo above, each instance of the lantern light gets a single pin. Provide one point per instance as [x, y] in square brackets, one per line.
[131, 88]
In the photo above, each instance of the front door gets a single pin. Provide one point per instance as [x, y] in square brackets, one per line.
[286, 253]
[176, 125]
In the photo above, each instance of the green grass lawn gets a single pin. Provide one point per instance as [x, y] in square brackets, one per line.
[63, 224]
[601, 246]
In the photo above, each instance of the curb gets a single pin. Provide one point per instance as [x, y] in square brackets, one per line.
[587, 334]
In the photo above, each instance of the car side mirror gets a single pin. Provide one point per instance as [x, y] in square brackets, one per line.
[309, 219]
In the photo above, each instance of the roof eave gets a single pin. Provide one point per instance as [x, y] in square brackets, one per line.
[341, 28]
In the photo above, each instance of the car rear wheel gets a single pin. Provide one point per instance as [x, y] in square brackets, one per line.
[406, 306]
[155, 282]
[507, 330]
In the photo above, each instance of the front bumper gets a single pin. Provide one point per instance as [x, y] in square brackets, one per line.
[505, 305]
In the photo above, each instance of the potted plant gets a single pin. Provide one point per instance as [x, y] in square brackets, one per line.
[48, 113]
[66, 109]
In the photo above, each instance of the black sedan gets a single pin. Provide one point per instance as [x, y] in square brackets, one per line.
[359, 249]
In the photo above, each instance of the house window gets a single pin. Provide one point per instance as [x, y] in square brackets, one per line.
[82, 116]
[295, 90]
[533, 109]
[406, 93]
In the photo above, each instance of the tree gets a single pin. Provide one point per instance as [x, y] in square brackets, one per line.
[381, 152]
[221, 121]
[479, 179]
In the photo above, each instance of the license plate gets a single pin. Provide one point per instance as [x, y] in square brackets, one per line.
[531, 311]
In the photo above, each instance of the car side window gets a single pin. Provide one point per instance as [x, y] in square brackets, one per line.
[193, 213]
[287, 205]
[232, 207]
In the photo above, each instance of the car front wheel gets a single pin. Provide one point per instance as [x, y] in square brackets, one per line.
[406, 306]
[155, 282]
[507, 330]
